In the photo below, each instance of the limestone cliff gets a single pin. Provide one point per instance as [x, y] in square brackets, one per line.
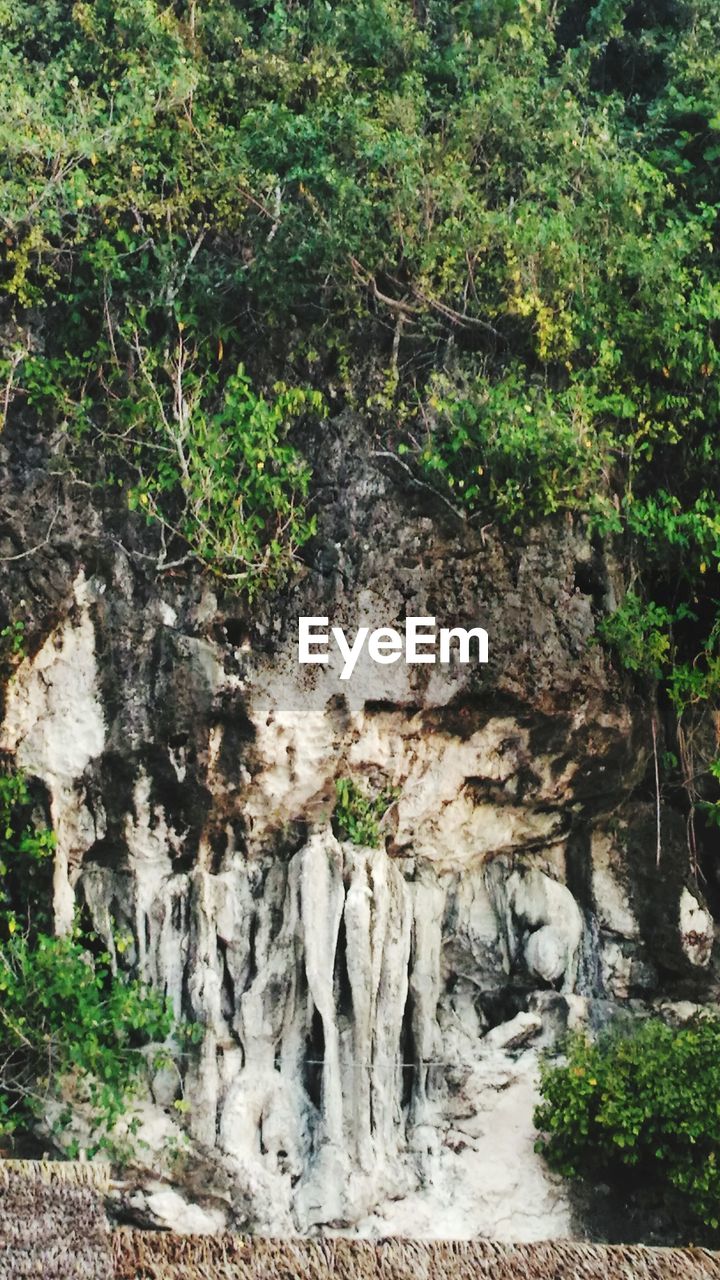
[371, 1018]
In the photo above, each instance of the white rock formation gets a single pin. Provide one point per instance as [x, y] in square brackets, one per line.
[540, 916]
[54, 726]
[697, 929]
[362, 1065]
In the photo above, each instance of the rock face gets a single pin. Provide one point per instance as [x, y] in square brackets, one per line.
[371, 1017]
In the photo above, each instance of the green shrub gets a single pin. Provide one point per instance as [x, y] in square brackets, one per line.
[71, 1029]
[357, 814]
[218, 474]
[25, 859]
[12, 646]
[639, 1109]
[640, 634]
[513, 448]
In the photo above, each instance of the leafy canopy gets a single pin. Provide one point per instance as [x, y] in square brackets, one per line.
[491, 229]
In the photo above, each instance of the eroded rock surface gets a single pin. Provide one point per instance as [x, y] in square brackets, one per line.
[371, 1018]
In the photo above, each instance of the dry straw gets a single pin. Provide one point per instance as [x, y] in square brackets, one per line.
[52, 1223]
[159, 1256]
[76, 1173]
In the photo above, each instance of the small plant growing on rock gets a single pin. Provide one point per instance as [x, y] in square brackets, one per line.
[357, 815]
[12, 646]
[640, 635]
[25, 852]
[641, 1105]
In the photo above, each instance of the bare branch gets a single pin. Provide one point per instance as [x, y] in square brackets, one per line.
[31, 551]
[422, 484]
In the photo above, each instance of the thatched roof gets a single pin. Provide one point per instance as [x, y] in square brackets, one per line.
[52, 1222]
[143, 1255]
[76, 1173]
[53, 1225]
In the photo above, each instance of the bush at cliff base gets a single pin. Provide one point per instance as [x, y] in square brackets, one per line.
[71, 1027]
[640, 1109]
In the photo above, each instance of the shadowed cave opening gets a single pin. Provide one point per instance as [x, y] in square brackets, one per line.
[315, 1059]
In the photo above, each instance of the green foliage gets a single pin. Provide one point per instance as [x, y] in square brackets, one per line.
[490, 228]
[641, 635]
[222, 479]
[357, 814]
[12, 646]
[640, 1110]
[517, 450]
[25, 854]
[71, 1029]
[696, 683]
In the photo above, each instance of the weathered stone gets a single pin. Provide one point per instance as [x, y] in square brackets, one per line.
[370, 1018]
